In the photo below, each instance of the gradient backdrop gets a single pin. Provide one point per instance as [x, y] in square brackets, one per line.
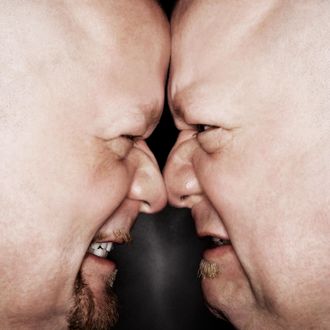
[157, 281]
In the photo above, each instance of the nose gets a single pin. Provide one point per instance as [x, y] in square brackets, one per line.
[148, 185]
[182, 185]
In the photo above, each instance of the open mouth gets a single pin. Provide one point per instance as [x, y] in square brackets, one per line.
[215, 242]
[101, 250]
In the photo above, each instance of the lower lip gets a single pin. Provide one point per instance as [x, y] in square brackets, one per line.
[105, 264]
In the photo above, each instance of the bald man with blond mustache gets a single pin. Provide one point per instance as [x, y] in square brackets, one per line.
[81, 88]
[249, 91]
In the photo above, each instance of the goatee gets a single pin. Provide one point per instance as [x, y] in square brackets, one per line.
[208, 269]
[86, 313]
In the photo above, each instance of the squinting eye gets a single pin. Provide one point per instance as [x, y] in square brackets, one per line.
[132, 138]
[129, 137]
[200, 128]
[212, 138]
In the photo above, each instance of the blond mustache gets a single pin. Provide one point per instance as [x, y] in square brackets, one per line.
[122, 236]
[208, 269]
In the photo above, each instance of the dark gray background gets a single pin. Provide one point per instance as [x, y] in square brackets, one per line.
[157, 281]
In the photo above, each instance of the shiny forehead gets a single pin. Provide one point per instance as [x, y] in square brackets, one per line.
[102, 24]
[235, 44]
[217, 29]
[95, 50]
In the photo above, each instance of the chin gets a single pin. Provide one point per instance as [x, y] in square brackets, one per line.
[90, 309]
[229, 295]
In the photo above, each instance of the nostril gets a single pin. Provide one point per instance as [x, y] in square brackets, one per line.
[146, 203]
[187, 200]
[153, 206]
[145, 207]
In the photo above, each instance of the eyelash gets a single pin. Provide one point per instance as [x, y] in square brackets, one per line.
[132, 138]
[201, 128]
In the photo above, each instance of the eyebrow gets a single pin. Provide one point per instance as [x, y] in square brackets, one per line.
[177, 110]
[151, 113]
[180, 102]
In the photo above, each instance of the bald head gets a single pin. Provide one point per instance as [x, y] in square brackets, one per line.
[80, 83]
[42, 38]
[265, 49]
[100, 21]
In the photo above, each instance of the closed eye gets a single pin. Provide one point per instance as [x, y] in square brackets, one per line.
[133, 138]
[200, 128]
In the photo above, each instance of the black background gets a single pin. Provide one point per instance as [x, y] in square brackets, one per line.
[157, 281]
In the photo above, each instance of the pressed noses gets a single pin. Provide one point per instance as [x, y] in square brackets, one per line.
[183, 189]
[148, 185]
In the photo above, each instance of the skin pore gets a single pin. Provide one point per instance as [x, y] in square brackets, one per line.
[75, 169]
[249, 91]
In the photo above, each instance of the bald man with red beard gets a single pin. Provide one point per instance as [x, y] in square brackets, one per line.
[81, 88]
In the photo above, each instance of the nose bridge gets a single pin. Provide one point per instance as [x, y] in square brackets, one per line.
[148, 185]
[182, 185]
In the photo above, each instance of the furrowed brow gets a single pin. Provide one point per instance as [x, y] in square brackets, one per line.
[181, 103]
[177, 106]
[152, 114]
[178, 112]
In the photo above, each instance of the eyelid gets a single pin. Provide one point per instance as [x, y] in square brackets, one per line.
[133, 138]
[214, 139]
[203, 128]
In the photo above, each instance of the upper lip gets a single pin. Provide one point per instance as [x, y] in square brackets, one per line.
[111, 239]
[208, 222]
[209, 234]
[118, 235]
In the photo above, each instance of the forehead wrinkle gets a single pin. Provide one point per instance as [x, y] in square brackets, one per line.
[207, 102]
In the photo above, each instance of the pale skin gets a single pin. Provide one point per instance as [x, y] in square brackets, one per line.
[249, 91]
[82, 87]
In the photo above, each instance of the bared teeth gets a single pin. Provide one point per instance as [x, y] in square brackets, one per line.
[100, 249]
[109, 247]
[100, 253]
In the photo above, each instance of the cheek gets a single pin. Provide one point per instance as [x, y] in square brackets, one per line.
[252, 182]
[262, 190]
[57, 201]
[99, 193]
[78, 196]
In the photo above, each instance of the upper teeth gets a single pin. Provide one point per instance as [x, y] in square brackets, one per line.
[220, 241]
[100, 249]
